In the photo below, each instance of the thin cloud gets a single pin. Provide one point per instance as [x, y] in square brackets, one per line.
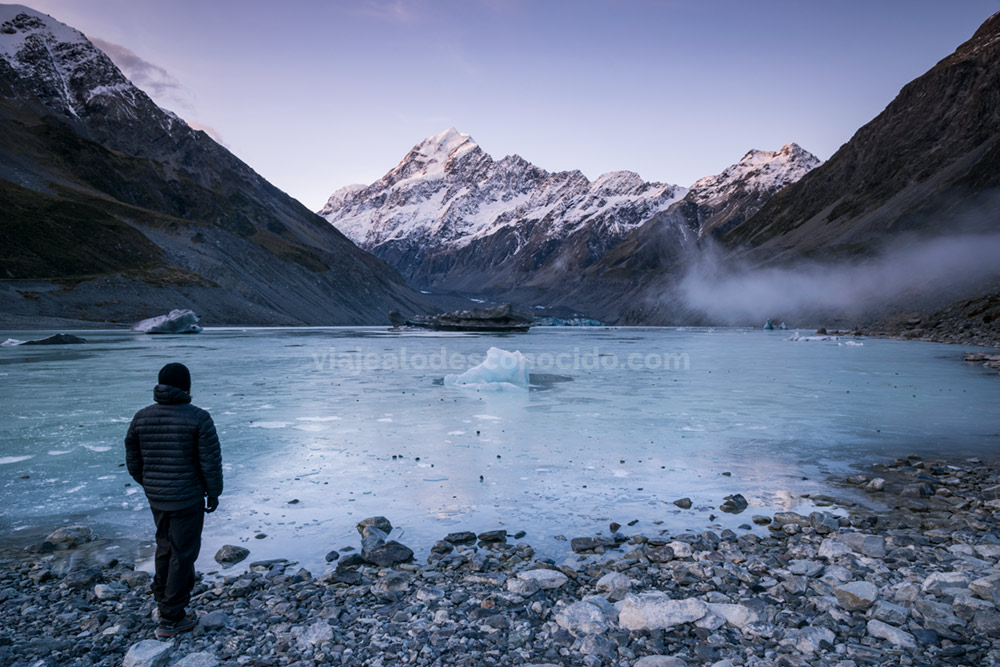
[207, 129]
[155, 80]
[152, 78]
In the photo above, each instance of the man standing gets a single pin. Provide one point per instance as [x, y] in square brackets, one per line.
[172, 451]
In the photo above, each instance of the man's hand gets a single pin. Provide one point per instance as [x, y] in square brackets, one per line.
[211, 504]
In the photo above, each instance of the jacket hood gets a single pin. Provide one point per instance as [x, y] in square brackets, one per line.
[169, 395]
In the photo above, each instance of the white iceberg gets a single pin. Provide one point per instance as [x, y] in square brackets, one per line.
[501, 370]
[175, 322]
[11, 342]
[797, 337]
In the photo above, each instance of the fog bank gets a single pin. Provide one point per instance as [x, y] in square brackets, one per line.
[906, 272]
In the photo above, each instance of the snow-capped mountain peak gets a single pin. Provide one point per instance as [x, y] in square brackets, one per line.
[445, 144]
[19, 24]
[447, 193]
[60, 67]
[339, 197]
[757, 172]
[433, 156]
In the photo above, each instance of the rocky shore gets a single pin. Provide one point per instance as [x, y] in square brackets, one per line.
[916, 582]
[973, 321]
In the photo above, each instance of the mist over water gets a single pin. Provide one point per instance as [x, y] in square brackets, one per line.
[905, 273]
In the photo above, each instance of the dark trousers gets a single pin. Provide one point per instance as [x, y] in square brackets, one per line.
[178, 541]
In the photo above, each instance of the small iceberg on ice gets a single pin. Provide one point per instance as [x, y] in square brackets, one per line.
[500, 371]
[797, 337]
[56, 339]
[175, 322]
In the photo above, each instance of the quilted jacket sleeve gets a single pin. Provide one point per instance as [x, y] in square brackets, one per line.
[133, 455]
[210, 456]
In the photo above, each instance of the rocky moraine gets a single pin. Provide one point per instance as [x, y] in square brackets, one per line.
[915, 581]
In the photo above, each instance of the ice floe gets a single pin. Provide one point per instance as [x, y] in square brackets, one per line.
[501, 370]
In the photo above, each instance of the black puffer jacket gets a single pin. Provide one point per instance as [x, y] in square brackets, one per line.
[172, 450]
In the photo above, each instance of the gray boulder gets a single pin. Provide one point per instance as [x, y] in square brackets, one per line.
[891, 634]
[546, 579]
[810, 639]
[737, 615]
[389, 554]
[872, 546]
[214, 620]
[937, 583]
[986, 623]
[833, 547]
[614, 586]
[372, 538]
[231, 554]
[200, 659]
[379, 522]
[523, 587]
[313, 635]
[857, 595]
[68, 537]
[659, 661]
[491, 536]
[987, 588]
[148, 653]
[582, 618]
[391, 587]
[657, 611]
[461, 537]
[108, 591]
[734, 504]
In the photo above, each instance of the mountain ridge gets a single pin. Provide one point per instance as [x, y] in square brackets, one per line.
[449, 216]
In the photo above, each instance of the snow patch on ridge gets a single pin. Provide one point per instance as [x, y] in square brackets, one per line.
[757, 171]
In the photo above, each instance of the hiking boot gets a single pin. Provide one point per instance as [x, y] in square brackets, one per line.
[170, 628]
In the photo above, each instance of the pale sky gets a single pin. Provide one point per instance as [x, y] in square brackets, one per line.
[318, 94]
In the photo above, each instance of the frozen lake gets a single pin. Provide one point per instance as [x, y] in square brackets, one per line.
[618, 424]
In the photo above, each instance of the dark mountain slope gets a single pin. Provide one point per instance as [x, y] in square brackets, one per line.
[117, 209]
[925, 169]
[929, 159]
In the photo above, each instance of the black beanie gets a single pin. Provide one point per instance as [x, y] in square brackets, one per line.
[176, 375]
